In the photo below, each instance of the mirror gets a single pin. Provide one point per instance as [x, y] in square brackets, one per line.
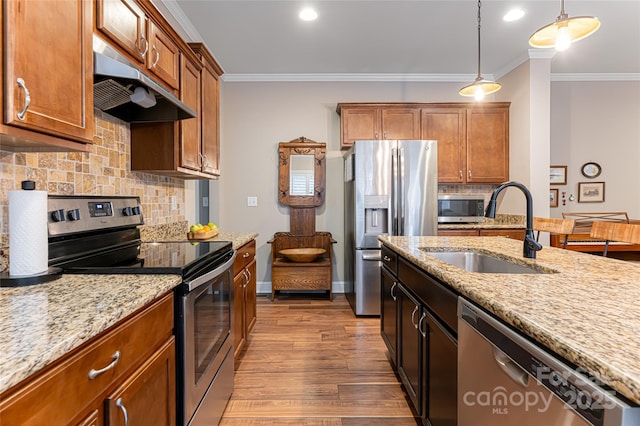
[302, 173]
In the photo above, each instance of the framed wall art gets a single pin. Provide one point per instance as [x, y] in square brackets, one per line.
[558, 175]
[590, 192]
[553, 197]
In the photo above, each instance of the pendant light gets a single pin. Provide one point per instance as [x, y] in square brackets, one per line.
[480, 87]
[564, 31]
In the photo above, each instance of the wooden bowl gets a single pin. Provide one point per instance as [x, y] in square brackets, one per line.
[202, 235]
[302, 254]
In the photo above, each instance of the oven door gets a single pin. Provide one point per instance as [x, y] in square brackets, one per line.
[205, 325]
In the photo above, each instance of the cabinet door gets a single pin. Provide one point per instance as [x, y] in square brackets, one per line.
[487, 144]
[410, 345]
[210, 117]
[49, 80]
[148, 396]
[389, 314]
[447, 125]
[125, 24]
[400, 123]
[440, 394]
[359, 124]
[239, 334]
[190, 128]
[163, 57]
[250, 311]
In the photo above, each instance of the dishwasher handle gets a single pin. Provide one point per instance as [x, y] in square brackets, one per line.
[510, 368]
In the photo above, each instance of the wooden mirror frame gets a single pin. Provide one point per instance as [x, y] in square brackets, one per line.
[302, 146]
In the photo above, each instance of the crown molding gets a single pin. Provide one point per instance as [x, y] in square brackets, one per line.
[596, 77]
[351, 77]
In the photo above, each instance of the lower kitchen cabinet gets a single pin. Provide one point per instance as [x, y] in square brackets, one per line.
[423, 312]
[244, 296]
[131, 367]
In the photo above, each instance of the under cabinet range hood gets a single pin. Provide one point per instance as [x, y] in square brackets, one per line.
[123, 91]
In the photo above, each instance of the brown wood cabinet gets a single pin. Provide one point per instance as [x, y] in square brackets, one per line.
[188, 149]
[515, 233]
[137, 33]
[244, 296]
[47, 87]
[132, 362]
[473, 141]
[378, 121]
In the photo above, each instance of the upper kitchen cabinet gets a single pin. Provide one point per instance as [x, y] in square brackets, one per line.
[47, 88]
[473, 141]
[139, 34]
[188, 149]
[378, 121]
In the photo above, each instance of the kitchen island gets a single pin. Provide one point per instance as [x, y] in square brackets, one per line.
[584, 309]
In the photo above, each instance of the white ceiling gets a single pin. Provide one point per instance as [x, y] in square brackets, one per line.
[419, 39]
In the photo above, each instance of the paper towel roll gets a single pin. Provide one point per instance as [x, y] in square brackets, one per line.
[28, 238]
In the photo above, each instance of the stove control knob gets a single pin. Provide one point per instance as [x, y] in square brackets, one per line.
[136, 210]
[57, 215]
[73, 214]
[127, 211]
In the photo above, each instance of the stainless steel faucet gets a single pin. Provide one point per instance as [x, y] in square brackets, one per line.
[531, 246]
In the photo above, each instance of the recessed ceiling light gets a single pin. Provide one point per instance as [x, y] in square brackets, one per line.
[308, 14]
[513, 15]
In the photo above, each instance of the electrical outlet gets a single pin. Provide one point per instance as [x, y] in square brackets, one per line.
[205, 201]
[252, 201]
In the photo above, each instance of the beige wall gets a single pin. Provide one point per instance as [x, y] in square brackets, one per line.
[105, 170]
[257, 116]
[600, 122]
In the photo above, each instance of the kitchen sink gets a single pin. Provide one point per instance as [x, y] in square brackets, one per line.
[480, 262]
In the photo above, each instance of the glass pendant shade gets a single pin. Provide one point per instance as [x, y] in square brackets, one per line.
[564, 31]
[480, 87]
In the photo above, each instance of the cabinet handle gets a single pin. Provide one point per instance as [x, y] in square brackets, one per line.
[424, 333]
[206, 161]
[143, 53]
[413, 314]
[27, 99]
[469, 173]
[384, 135]
[157, 56]
[376, 135]
[460, 174]
[393, 287]
[247, 276]
[121, 406]
[386, 258]
[95, 373]
[247, 254]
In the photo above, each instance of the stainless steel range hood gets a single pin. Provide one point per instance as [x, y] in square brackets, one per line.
[115, 81]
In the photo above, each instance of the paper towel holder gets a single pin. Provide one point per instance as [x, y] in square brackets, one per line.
[6, 280]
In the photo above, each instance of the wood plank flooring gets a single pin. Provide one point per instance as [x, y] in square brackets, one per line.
[310, 361]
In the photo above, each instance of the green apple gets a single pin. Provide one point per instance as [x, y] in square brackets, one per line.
[199, 225]
[193, 228]
[212, 225]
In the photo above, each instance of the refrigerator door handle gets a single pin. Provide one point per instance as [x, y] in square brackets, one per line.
[400, 181]
[394, 192]
[374, 257]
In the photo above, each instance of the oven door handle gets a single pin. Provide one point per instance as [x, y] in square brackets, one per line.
[197, 282]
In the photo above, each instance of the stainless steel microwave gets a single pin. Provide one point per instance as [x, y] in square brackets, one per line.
[460, 208]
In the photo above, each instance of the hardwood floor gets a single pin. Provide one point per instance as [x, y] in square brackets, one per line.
[310, 361]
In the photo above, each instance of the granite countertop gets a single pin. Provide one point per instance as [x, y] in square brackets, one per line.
[40, 323]
[587, 312]
[177, 231]
[502, 221]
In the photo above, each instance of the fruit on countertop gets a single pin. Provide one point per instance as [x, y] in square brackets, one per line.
[202, 232]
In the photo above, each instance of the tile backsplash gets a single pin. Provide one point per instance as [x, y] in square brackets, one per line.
[104, 170]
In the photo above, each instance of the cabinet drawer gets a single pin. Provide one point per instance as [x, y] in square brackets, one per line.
[441, 300]
[389, 259]
[245, 255]
[60, 392]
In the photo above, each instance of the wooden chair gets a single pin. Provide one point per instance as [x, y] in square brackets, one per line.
[554, 226]
[615, 231]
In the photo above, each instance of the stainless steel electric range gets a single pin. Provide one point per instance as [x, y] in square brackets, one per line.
[100, 235]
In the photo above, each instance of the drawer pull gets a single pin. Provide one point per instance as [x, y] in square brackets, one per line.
[121, 406]
[95, 373]
[386, 258]
[247, 254]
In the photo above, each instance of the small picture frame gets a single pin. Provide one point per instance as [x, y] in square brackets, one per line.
[590, 192]
[558, 175]
[553, 197]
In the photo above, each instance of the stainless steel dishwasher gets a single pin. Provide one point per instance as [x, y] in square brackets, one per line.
[504, 379]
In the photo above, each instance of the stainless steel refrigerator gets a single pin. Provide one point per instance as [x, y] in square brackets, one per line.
[390, 187]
